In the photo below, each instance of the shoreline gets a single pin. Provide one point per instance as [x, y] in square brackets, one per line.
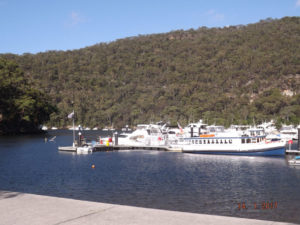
[31, 209]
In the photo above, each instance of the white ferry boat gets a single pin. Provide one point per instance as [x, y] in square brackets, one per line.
[249, 142]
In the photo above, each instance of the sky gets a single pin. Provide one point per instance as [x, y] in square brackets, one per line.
[32, 26]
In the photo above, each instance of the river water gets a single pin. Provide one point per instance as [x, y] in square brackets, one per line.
[252, 187]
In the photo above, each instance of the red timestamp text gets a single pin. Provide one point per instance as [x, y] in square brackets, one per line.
[265, 205]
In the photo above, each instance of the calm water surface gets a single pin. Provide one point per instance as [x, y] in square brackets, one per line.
[209, 184]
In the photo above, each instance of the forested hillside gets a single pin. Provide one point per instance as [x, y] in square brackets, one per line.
[229, 75]
[22, 108]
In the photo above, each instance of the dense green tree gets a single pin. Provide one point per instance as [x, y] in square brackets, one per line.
[22, 109]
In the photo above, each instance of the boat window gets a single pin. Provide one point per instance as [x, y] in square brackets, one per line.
[200, 141]
[217, 142]
[221, 142]
[248, 140]
[230, 141]
[225, 142]
[208, 142]
[122, 135]
[196, 142]
[257, 140]
[212, 141]
[243, 141]
[192, 141]
[204, 141]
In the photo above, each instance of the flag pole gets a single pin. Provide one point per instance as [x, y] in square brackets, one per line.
[73, 117]
[73, 129]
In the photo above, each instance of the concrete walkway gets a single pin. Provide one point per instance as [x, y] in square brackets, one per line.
[23, 209]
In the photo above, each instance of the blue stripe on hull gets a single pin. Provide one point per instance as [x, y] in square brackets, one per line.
[273, 152]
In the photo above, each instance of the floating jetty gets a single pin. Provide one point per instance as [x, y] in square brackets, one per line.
[100, 148]
[104, 148]
[292, 152]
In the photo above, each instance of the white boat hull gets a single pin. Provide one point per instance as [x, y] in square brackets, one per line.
[84, 150]
[294, 162]
[263, 148]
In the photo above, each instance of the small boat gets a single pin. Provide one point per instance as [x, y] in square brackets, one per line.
[295, 161]
[84, 149]
[44, 127]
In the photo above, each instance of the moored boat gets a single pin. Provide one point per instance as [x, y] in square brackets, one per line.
[84, 149]
[44, 127]
[249, 142]
[144, 135]
[295, 161]
[288, 132]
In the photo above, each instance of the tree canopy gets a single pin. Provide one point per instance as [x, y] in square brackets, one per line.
[235, 74]
[22, 108]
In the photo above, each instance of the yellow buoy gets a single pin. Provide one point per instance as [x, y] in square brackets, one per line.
[93, 166]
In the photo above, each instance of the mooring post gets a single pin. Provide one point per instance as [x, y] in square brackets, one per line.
[116, 139]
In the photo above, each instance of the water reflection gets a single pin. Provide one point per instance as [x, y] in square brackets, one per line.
[212, 184]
